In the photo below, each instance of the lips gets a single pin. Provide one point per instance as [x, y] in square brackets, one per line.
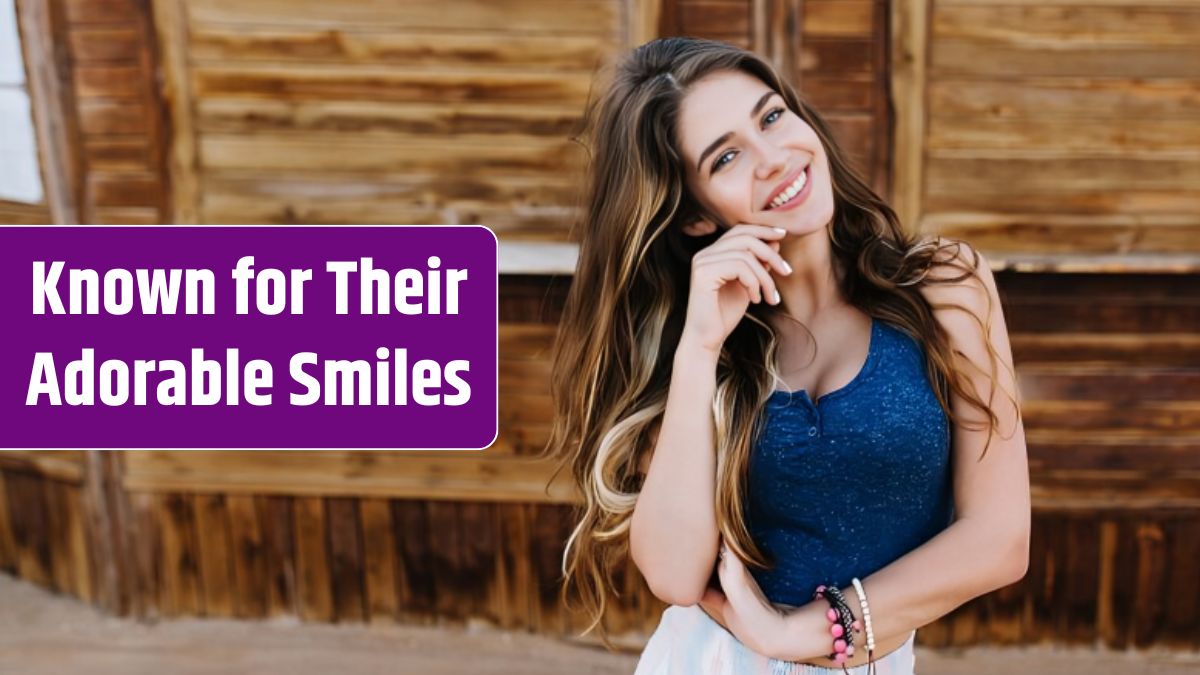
[783, 186]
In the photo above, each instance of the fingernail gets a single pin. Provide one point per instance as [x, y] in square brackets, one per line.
[777, 299]
[787, 267]
[780, 230]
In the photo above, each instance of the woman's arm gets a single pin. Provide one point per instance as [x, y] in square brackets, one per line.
[987, 546]
[673, 533]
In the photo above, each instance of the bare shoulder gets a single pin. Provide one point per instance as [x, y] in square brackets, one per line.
[961, 291]
[959, 275]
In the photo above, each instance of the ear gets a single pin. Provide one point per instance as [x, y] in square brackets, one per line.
[699, 227]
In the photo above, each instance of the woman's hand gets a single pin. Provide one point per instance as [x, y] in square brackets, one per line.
[744, 254]
[741, 607]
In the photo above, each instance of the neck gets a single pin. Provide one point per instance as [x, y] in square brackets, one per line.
[813, 285]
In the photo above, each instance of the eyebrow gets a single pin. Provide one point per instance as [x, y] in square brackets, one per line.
[725, 136]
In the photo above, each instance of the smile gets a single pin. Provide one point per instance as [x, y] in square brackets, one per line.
[793, 194]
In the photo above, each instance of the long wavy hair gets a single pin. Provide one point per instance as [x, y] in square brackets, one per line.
[625, 311]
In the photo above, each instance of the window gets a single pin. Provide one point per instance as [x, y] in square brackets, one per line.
[20, 180]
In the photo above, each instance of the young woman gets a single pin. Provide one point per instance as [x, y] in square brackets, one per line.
[760, 370]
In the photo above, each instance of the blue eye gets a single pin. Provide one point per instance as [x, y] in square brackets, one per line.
[771, 118]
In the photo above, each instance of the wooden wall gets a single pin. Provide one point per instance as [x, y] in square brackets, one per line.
[1065, 126]
[1107, 370]
[429, 112]
[91, 67]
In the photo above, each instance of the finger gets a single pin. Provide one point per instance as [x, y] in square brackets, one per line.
[766, 282]
[768, 252]
[730, 267]
[747, 270]
[761, 231]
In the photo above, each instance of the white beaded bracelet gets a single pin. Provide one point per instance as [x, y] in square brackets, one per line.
[866, 610]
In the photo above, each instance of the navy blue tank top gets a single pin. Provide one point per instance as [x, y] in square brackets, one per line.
[842, 488]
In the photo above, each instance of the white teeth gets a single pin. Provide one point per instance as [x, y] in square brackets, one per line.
[796, 186]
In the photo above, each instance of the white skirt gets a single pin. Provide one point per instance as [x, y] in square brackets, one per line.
[688, 642]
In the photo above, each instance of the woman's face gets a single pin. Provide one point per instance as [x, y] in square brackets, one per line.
[745, 151]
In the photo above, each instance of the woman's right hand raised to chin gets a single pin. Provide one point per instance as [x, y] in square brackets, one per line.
[727, 276]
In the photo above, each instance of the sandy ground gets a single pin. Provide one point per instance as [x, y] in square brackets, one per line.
[45, 634]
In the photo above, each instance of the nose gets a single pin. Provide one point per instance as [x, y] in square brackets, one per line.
[773, 159]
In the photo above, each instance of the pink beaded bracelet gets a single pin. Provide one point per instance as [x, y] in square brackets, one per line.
[843, 625]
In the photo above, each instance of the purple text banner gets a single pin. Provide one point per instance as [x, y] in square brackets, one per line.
[249, 337]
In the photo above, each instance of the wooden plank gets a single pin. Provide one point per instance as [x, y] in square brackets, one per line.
[1159, 417]
[1106, 620]
[1078, 3]
[109, 81]
[1151, 572]
[129, 215]
[1182, 611]
[958, 58]
[1082, 568]
[212, 44]
[8, 547]
[251, 582]
[908, 60]
[853, 133]
[60, 465]
[1142, 136]
[845, 93]
[313, 590]
[446, 544]
[170, 25]
[1130, 383]
[512, 224]
[77, 553]
[415, 583]
[346, 565]
[837, 55]
[27, 509]
[1123, 201]
[1002, 175]
[1080, 491]
[533, 16]
[18, 213]
[379, 559]
[123, 153]
[132, 189]
[385, 83]
[414, 119]
[180, 592]
[279, 544]
[148, 557]
[1062, 27]
[100, 44]
[440, 475]
[42, 25]
[57, 537]
[550, 527]
[1067, 97]
[1132, 349]
[444, 156]
[840, 17]
[1051, 235]
[122, 12]
[214, 554]
[712, 19]
[458, 156]
[514, 571]
[108, 117]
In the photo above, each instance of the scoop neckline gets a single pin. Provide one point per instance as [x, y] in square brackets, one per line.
[863, 371]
